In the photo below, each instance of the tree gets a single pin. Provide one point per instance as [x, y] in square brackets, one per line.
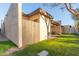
[68, 6]
[74, 17]
[76, 20]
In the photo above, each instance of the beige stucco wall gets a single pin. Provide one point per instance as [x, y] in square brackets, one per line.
[11, 22]
[24, 31]
[43, 27]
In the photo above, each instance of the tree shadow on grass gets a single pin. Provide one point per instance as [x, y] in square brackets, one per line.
[68, 37]
[70, 41]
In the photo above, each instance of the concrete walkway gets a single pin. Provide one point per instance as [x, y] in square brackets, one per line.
[11, 50]
[3, 38]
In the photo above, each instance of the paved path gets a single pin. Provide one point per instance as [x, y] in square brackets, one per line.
[11, 50]
[3, 38]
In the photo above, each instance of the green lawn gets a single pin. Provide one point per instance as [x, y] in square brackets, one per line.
[65, 45]
[4, 45]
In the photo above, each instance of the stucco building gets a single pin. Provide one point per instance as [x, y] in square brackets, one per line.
[36, 26]
[12, 25]
[25, 29]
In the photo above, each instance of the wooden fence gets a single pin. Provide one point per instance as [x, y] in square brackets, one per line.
[31, 32]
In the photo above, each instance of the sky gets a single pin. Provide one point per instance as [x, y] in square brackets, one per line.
[56, 12]
[27, 8]
[3, 10]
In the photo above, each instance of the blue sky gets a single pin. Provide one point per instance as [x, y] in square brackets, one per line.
[56, 12]
[3, 10]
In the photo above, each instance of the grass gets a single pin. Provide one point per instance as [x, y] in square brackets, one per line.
[65, 45]
[4, 45]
